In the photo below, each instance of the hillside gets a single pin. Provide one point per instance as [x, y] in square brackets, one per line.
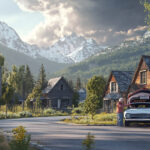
[17, 58]
[122, 57]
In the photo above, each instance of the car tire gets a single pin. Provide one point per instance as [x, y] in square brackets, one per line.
[127, 123]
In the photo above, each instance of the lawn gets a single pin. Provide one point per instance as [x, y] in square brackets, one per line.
[17, 112]
[99, 119]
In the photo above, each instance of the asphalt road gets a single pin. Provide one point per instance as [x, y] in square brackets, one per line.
[48, 132]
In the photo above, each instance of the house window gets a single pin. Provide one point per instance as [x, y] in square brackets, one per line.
[61, 87]
[143, 77]
[113, 87]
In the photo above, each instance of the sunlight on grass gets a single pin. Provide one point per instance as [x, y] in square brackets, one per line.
[99, 119]
[17, 112]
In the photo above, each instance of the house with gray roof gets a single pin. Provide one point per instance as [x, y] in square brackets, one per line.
[141, 78]
[117, 86]
[58, 94]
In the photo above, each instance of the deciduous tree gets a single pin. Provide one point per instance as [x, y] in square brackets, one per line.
[91, 104]
[96, 86]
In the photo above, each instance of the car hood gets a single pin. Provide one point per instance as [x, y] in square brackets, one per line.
[138, 111]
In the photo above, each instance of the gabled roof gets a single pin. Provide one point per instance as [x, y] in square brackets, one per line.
[123, 78]
[147, 60]
[51, 84]
[144, 58]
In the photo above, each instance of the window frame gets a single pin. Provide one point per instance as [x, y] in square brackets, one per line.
[62, 87]
[112, 87]
[145, 77]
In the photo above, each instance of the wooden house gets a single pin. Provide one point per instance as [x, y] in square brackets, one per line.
[58, 94]
[117, 86]
[141, 78]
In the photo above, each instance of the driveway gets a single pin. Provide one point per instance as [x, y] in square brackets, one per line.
[48, 132]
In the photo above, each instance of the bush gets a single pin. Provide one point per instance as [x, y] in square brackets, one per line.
[21, 140]
[105, 117]
[49, 111]
[2, 115]
[12, 115]
[9, 115]
[88, 142]
[77, 110]
[25, 114]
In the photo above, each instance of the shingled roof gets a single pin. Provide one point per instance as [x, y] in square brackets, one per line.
[144, 58]
[123, 78]
[51, 83]
[147, 60]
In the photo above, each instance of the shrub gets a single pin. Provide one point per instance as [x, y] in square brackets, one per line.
[59, 113]
[49, 111]
[88, 142]
[25, 114]
[12, 115]
[2, 115]
[20, 139]
[105, 117]
[77, 110]
[9, 115]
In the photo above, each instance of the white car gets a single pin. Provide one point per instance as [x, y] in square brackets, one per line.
[139, 107]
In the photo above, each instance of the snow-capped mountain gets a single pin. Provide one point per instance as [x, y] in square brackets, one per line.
[70, 49]
[145, 39]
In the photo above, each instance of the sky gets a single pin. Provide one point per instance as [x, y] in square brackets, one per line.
[43, 22]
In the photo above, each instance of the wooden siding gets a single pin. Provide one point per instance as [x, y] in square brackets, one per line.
[57, 93]
[143, 67]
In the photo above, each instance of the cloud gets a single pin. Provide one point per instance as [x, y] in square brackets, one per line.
[106, 21]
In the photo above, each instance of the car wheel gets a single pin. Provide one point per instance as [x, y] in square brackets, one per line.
[127, 124]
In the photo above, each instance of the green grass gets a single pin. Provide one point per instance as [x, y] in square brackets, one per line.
[16, 112]
[99, 119]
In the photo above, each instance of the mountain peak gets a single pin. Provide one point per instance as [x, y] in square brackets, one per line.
[69, 49]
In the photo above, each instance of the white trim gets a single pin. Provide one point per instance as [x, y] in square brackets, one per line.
[143, 70]
[111, 87]
[145, 77]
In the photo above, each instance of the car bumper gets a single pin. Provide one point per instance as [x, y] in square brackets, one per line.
[138, 120]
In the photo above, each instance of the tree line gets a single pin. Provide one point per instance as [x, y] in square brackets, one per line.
[19, 86]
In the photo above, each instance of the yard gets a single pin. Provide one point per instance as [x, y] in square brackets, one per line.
[99, 119]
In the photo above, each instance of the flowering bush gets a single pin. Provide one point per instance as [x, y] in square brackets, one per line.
[20, 139]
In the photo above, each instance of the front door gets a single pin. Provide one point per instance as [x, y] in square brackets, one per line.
[58, 103]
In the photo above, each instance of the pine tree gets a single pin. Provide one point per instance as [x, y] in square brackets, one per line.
[2, 59]
[29, 82]
[13, 78]
[21, 78]
[42, 78]
[7, 95]
[78, 84]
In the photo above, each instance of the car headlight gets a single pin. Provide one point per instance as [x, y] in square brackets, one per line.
[127, 116]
